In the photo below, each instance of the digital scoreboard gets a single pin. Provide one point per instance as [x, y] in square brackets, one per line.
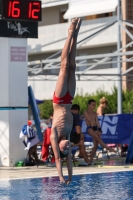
[24, 10]
[19, 18]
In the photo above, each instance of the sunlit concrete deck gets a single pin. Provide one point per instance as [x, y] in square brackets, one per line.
[101, 166]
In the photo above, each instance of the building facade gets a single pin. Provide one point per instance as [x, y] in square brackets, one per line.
[92, 39]
[127, 15]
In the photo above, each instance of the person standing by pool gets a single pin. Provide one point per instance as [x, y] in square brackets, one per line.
[103, 104]
[94, 129]
[62, 100]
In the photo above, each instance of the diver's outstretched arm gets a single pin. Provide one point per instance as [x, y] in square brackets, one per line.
[55, 147]
[69, 165]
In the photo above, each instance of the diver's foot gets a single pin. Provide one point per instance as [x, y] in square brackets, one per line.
[78, 27]
[72, 27]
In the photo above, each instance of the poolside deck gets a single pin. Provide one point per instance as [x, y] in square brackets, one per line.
[102, 165]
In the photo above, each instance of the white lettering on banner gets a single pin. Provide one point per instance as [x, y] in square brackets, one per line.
[110, 125]
[109, 137]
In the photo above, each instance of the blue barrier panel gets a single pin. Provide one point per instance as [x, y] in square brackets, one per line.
[129, 158]
[116, 129]
[35, 113]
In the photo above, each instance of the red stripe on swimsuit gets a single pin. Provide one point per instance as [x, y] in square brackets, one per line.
[67, 99]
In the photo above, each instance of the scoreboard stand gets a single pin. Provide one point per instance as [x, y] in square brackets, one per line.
[18, 21]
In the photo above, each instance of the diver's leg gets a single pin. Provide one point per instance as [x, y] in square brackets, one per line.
[61, 85]
[71, 76]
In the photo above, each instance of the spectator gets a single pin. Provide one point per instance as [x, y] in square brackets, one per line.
[103, 104]
[94, 129]
[30, 140]
[76, 136]
[45, 144]
[46, 140]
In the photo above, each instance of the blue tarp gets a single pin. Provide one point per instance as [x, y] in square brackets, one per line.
[35, 112]
[116, 129]
[37, 101]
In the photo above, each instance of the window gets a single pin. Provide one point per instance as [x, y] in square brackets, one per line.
[99, 16]
[62, 20]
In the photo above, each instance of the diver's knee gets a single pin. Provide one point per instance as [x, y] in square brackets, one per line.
[65, 67]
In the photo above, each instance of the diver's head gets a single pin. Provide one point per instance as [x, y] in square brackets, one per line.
[63, 147]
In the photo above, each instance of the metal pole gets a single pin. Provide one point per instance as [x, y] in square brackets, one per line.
[119, 93]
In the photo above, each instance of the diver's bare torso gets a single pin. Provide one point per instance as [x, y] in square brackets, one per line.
[63, 119]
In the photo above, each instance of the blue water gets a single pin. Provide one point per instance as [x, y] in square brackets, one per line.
[105, 186]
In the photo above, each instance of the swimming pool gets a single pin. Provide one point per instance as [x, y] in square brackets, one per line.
[102, 186]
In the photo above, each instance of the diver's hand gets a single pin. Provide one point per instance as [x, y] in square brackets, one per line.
[68, 182]
[62, 181]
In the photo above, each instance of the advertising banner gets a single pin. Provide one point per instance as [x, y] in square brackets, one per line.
[116, 129]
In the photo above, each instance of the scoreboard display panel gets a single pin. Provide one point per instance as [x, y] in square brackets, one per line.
[25, 10]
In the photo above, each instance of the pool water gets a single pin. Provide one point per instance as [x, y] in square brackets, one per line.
[102, 186]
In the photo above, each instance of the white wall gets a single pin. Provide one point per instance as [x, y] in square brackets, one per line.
[13, 90]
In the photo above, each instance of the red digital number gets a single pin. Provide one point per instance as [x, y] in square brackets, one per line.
[34, 9]
[13, 10]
